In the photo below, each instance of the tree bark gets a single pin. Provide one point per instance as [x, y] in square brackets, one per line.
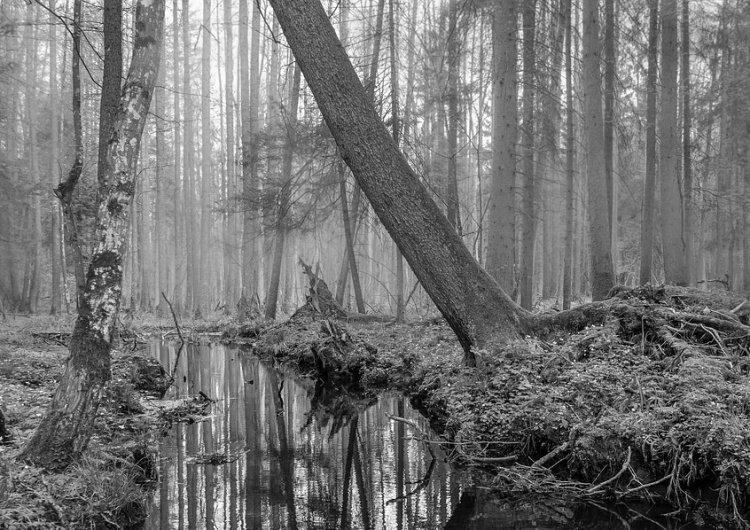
[202, 292]
[66, 428]
[649, 190]
[502, 210]
[602, 273]
[673, 243]
[453, 206]
[179, 258]
[569, 156]
[687, 160]
[54, 154]
[230, 242]
[528, 209]
[64, 191]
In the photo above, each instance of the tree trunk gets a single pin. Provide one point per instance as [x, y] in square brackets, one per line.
[230, 242]
[188, 162]
[179, 258]
[66, 428]
[610, 66]
[501, 229]
[111, 81]
[54, 153]
[202, 292]
[453, 209]
[528, 210]
[569, 156]
[350, 225]
[673, 244]
[649, 190]
[249, 103]
[687, 159]
[284, 200]
[472, 303]
[64, 191]
[602, 273]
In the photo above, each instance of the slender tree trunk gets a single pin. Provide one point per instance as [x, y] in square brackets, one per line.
[453, 216]
[230, 242]
[610, 68]
[673, 243]
[188, 162]
[687, 160]
[160, 259]
[30, 290]
[350, 224]
[202, 292]
[68, 424]
[54, 173]
[453, 208]
[649, 190]
[284, 201]
[528, 210]
[501, 229]
[602, 273]
[65, 190]
[179, 258]
[569, 156]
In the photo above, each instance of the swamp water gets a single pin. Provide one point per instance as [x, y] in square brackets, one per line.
[264, 459]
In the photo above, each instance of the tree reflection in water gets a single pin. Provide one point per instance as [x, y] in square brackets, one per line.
[286, 466]
[301, 457]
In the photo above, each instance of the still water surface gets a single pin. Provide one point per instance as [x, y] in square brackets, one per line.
[265, 459]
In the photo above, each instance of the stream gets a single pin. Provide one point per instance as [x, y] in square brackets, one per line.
[263, 459]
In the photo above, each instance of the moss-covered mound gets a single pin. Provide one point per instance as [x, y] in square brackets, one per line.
[653, 404]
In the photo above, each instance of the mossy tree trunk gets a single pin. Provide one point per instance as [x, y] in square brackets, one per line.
[67, 426]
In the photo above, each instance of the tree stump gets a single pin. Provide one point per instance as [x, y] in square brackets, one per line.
[319, 297]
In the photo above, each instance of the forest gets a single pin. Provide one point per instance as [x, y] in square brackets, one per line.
[562, 188]
[217, 214]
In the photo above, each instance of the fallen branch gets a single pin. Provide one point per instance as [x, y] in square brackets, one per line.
[552, 454]
[644, 486]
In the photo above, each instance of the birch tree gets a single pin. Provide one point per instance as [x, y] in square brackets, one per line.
[66, 428]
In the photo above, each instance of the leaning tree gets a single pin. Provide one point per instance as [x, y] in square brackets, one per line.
[477, 309]
[66, 428]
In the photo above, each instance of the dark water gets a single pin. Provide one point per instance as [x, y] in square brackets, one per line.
[264, 459]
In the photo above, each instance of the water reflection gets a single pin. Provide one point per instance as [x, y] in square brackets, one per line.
[286, 468]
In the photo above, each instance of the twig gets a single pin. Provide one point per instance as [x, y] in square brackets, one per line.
[182, 341]
[645, 486]
[625, 466]
[174, 317]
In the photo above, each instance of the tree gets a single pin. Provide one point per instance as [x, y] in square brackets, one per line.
[602, 273]
[66, 428]
[687, 160]
[501, 231]
[528, 209]
[477, 309]
[569, 154]
[673, 243]
[202, 292]
[647, 222]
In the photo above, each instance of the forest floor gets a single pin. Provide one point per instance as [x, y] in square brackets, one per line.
[652, 405]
